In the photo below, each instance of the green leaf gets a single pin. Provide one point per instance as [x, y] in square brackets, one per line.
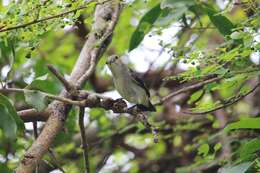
[176, 3]
[195, 96]
[10, 122]
[248, 123]
[241, 168]
[237, 35]
[170, 15]
[7, 123]
[172, 11]
[43, 77]
[4, 168]
[203, 150]
[217, 147]
[250, 148]
[39, 83]
[144, 26]
[36, 99]
[223, 24]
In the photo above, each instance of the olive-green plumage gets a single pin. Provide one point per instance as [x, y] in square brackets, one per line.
[129, 86]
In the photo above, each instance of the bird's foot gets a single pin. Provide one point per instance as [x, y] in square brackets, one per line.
[120, 99]
[134, 108]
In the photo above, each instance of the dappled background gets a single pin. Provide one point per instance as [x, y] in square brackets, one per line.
[204, 54]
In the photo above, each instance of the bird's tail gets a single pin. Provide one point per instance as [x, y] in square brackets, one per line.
[150, 107]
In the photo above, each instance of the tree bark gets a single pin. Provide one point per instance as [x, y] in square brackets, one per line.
[106, 16]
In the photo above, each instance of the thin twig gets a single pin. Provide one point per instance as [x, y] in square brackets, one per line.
[55, 160]
[35, 130]
[41, 20]
[194, 28]
[227, 103]
[103, 161]
[35, 133]
[69, 87]
[142, 117]
[45, 19]
[47, 95]
[191, 87]
[130, 126]
[2, 84]
[84, 139]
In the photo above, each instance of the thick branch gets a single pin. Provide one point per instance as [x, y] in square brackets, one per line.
[30, 115]
[106, 16]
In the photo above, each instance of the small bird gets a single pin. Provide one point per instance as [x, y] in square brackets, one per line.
[129, 86]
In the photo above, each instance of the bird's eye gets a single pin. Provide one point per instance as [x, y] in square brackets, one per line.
[116, 57]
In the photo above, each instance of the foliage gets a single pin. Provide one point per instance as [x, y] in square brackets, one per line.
[211, 128]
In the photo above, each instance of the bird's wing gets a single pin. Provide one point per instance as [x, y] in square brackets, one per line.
[139, 81]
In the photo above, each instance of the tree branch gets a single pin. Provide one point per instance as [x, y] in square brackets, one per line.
[87, 99]
[30, 115]
[107, 15]
[191, 87]
[84, 139]
[3, 29]
[65, 83]
[55, 160]
[47, 95]
[227, 103]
